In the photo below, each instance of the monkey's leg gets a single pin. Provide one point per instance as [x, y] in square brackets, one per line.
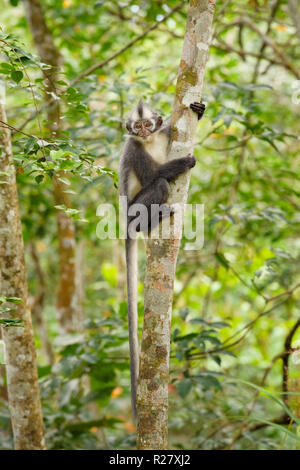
[198, 108]
[153, 198]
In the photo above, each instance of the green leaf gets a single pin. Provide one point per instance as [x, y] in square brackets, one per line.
[13, 300]
[208, 381]
[183, 312]
[16, 75]
[184, 387]
[9, 322]
[65, 181]
[109, 272]
[219, 324]
[253, 86]
[5, 68]
[39, 178]
[217, 359]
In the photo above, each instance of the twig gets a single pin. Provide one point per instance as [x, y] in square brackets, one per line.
[8, 126]
[99, 65]
[223, 46]
[263, 45]
[285, 361]
[273, 46]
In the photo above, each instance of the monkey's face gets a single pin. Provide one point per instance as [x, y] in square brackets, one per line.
[144, 128]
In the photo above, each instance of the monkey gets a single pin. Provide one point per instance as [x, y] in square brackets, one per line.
[144, 177]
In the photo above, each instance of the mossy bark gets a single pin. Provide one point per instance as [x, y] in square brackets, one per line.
[152, 394]
[21, 368]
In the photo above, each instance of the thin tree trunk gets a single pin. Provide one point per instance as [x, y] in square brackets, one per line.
[152, 394]
[67, 302]
[37, 306]
[21, 369]
[80, 281]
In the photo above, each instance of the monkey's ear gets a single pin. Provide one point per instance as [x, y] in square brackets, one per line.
[159, 121]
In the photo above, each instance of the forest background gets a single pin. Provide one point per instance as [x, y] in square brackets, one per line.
[72, 71]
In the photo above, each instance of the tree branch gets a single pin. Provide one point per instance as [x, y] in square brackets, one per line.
[99, 65]
[272, 44]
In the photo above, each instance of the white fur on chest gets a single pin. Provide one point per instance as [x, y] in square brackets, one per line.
[134, 186]
[157, 147]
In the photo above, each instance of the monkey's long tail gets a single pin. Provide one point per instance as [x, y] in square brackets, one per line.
[131, 263]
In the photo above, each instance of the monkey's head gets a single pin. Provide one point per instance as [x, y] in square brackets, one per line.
[143, 122]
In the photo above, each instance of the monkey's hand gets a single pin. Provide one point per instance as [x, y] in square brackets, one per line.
[190, 160]
[198, 108]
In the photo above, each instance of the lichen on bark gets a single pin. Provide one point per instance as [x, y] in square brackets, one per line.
[152, 394]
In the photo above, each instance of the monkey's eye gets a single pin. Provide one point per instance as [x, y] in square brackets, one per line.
[148, 124]
[138, 126]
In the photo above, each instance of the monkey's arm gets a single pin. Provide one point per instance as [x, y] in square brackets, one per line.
[174, 168]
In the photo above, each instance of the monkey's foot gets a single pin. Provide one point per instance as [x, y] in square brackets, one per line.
[198, 108]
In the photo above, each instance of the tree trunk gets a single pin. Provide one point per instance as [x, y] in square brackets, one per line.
[37, 305]
[152, 394]
[21, 369]
[67, 302]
